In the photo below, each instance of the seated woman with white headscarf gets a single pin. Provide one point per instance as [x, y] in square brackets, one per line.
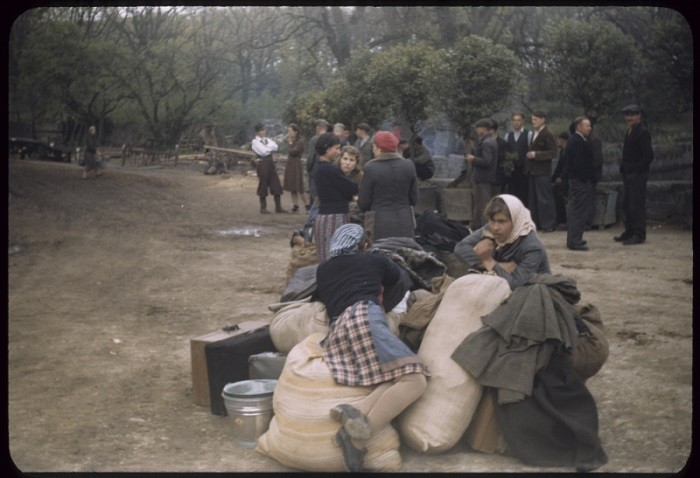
[507, 245]
[360, 349]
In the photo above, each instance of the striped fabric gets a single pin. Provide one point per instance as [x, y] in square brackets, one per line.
[325, 226]
[346, 240]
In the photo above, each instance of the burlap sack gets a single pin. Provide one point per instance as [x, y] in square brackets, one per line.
[301, 430]
[296, 321]
[437, 420]
[302, 256]
[591, 351]
[422, 305]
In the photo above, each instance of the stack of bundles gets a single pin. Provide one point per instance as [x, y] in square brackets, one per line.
[547, 415]
[301, 430]
[437, 420]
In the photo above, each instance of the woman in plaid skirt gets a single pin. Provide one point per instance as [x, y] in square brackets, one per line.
[334, 190]
[360, 349]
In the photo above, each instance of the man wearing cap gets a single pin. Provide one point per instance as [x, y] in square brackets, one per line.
[265, 169]
[484, 161]
[321, 127]
[389, 190]
[364, 143]
[538, 169]
[637, 155]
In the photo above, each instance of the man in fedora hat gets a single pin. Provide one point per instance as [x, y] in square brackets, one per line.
[637, 155]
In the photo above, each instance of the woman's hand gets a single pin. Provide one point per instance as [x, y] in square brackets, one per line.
[485, 249]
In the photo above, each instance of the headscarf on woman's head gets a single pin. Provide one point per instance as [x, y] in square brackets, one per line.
[520, 215]
[346, 240]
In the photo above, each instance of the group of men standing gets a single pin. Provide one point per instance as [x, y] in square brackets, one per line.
[520, 163]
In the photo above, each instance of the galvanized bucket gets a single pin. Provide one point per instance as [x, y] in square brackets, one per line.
[249, 404]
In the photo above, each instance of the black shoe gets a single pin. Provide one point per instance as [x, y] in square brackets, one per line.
[549, 229]
[579, 247]
[633, 240]
[353, 457]
[295, 209]
[622, 237]
[354, 422]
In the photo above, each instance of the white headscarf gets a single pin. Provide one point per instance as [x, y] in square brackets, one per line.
[520, 215]
[346, 240]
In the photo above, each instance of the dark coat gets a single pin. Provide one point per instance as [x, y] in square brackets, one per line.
[637, 153]
[546, 149]
[365, 150]
[579, 159]
[389, 189]
[485, 160]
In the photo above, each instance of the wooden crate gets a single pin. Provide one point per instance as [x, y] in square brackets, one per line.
[457, 203]
[427, 199]
[484, 432]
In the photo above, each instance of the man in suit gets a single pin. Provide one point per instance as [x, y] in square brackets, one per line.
[518, 141]
[637, 155]
[560, 189]
[501, 179]
[580, 175]
[538, 169]
[483, 161]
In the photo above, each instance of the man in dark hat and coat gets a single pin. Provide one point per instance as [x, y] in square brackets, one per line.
[637, 155]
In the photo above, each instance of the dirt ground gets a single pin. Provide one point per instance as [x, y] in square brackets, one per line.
[109, 279]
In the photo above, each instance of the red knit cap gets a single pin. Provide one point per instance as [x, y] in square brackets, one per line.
[386, 141]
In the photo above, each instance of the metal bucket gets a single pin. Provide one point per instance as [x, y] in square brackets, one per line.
[249, 404]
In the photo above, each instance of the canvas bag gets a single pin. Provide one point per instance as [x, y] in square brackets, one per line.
[437, 420]
[294, 322]
[301, 430]
[591, 350]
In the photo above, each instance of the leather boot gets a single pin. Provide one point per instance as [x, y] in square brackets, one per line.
[263, 206]
[278, 204]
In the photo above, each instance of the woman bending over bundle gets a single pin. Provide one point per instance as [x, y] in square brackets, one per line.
[360, 349]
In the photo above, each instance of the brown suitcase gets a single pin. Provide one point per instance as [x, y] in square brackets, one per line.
[200, 375]
[484, 431]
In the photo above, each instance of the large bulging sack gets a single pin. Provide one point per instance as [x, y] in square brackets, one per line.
[591, 350]
[301, 430]
[437, 420]
[296, 321]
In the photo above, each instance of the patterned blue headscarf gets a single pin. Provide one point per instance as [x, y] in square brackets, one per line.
[346, 240]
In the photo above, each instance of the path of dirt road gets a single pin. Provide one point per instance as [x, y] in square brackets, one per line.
[109, 279]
